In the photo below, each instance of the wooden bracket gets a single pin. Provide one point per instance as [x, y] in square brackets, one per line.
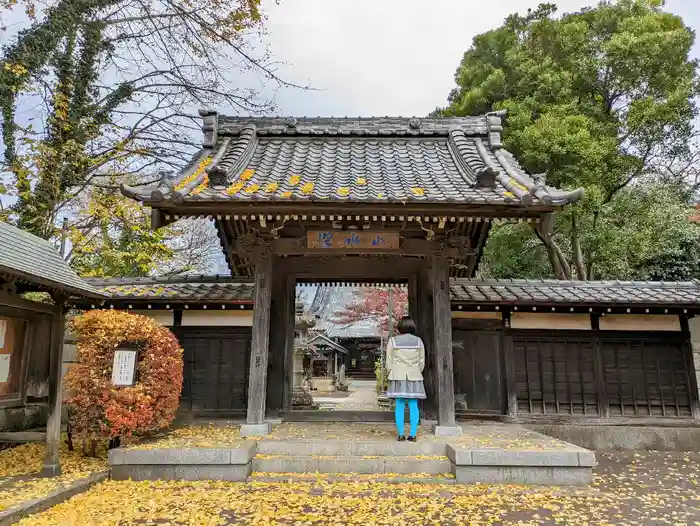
[462, 244]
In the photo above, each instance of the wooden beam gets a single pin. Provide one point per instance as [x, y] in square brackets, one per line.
[52, 464]
[385, 268]
[19, 437]
[442, 338]
[257, 381]
[17, 302]
[408, 247]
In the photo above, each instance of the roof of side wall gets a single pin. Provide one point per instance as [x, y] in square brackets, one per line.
[220, 289]
[35, 261]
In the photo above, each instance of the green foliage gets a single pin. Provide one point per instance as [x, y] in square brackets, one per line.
[512, 252]
[602, 98]
[113, 237]
[382, 377]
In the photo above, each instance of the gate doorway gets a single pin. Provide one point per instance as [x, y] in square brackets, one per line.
[341, 330]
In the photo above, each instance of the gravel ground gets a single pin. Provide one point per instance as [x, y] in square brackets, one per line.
[645, 488]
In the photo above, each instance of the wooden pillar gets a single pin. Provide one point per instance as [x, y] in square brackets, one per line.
[509, 369]
[257, 380]
[289, 322]
[52, 464]
[442, 350]
[424, 321]
[281, 323]
[413, 297]
[599, 368]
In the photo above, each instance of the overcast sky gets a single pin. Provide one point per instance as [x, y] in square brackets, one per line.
[387, 57]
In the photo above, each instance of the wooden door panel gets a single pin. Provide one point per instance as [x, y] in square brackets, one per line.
[555, 374]
[646, 376]
[215, 369]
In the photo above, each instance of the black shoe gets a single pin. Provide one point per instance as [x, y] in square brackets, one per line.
[401, 438]
[411, 439]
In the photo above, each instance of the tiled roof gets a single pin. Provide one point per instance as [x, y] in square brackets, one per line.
[215, 289]
[34, 260]
[330, 299]
[401, 160]
[522, 292]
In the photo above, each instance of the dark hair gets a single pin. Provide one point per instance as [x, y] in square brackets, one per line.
[406, 326]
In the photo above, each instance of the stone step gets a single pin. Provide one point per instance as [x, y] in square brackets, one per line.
[366, 464]
[352, 448]
[382, 478]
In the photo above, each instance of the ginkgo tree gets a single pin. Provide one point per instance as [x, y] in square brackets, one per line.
[113, 87]
[111, 236]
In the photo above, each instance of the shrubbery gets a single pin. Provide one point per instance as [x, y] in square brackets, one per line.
[98, 409]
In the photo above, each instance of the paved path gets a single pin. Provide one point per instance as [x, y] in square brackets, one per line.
[363, 397]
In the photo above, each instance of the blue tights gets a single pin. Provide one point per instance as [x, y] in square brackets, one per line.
[412, 414]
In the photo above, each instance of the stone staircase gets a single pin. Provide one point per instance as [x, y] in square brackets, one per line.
[343, 457]
[486, 453]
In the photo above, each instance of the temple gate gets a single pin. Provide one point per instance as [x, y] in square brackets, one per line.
[393, 200]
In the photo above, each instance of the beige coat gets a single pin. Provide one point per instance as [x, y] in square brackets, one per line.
[405, 357]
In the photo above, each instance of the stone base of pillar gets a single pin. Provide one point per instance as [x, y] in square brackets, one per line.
[50, 470]
[447, 431]
[256, 430]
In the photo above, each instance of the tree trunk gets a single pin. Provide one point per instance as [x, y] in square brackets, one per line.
[576, 246]
[560, 266]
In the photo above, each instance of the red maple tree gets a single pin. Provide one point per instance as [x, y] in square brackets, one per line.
[372, 303]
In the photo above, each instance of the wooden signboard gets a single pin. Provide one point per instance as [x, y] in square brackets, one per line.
[124, 366]
[352, 240]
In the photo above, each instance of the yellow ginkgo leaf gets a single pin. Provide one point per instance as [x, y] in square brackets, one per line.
[517, 184]
[252, 188]
[235, 188]
[343, 191]
[202, 186]
[286, 194]
[247, 174]
[418, 191]
[294, 179]
[361, 181]
[271, 187]
[380, 195]
[508, 194]
[187, 180]
[307, 188]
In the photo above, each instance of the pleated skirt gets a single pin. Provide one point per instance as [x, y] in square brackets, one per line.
[406, 389]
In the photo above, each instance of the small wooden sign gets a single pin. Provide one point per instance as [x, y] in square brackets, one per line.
[124, 366]
[353, 240]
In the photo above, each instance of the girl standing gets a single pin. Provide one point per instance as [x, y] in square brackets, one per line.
[405, 360]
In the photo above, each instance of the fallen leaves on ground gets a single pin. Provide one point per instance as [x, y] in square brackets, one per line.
[476, 436]
[20, 465]
[629, 489]
[195, 436]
